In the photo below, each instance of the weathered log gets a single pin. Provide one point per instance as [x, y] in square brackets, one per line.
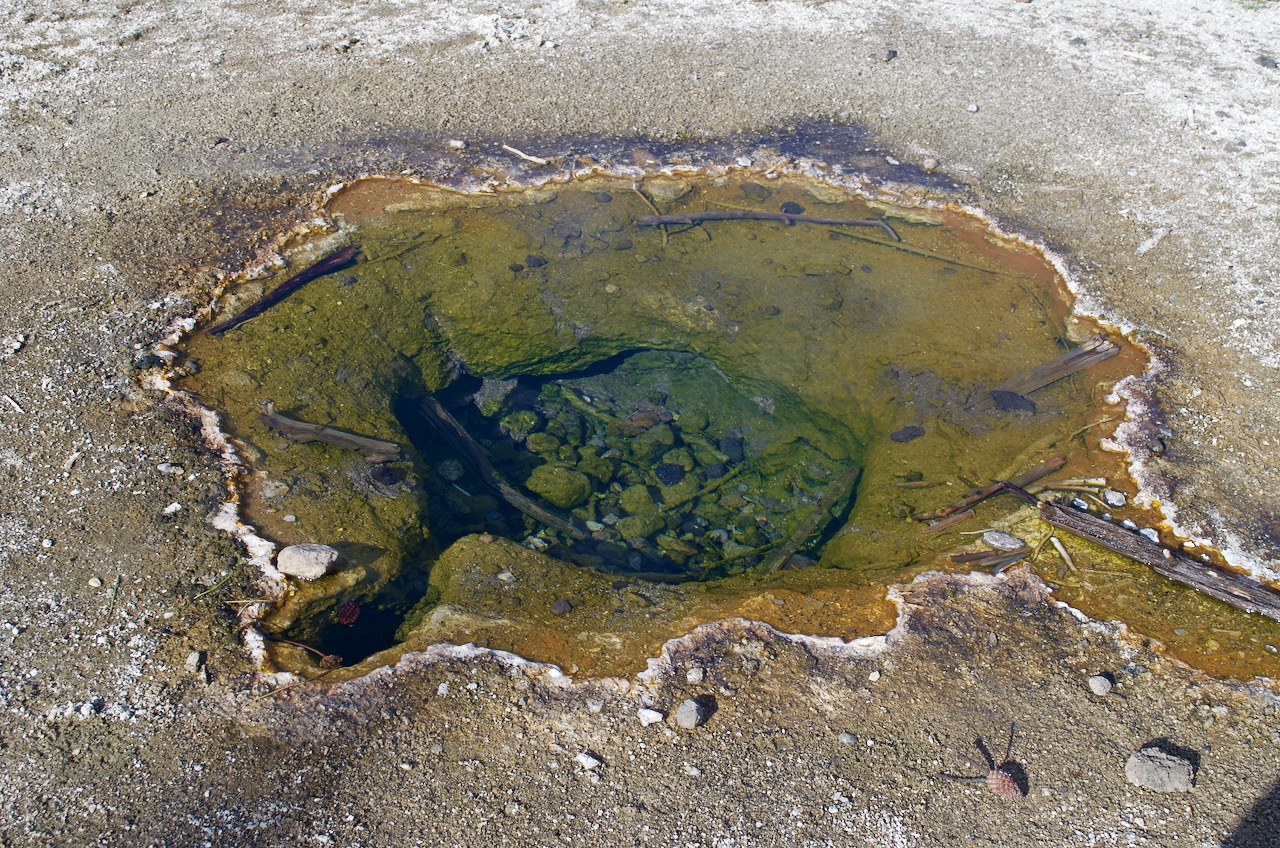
[1013, 484]
[754, 215]
[460, 440]
[374, 450]
[817, 516]
[335, 261]
[1237, 590]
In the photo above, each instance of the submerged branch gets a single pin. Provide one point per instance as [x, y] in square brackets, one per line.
[843, 485]
[753, 215]
[1090, 351]
[333, 262]
[1016, 485]
[374, 450]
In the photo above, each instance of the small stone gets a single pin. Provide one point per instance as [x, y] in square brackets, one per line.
[906, 434]
[562, 487]
[648, 717]
[95, 583]
[1159, 771]
[195, 661]
[1151, 534]
[451, 470]
[594, 706]
[171, 508]
[1268, 62]
[695, 675]
[561, 607]
[972, 107]
[1129, 524]
[873, 676]
[290, 518]
[847, 738]
[887, 55]
[1113, 498]
[669, 474]
[588, 761]
[692, 771]
[691, 714]
[594, 526]
[457, 144]
[1003, 541]
[929, 165]
[1100, 684]
[506, 576]
[307, 561]
[170, 468]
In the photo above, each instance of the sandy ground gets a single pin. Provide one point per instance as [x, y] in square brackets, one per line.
[147, 146]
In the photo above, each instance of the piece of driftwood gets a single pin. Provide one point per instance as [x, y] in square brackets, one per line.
[1235, 589]
[335, 261]
[754, 215]
[1016, 485]
[374, 450]
[912, 250]
[817, 516]
[1090, 351]
[460, 440]
[949, 521]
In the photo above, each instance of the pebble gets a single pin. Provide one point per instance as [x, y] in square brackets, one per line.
[691, 714]
[587, 761]
[95, 583]
[972, 107]
[1150, 534]
[1128, 524]
[695, 675]
[1113, 498]
[648, 717]
[1159, 771]
[171, 508]
[692, 771]
[506, 576]
[195, 661]
[451, 470]
[170, 468]
[1003, 541]
[887, 55]
[906, 434]
[290, 518]
[307, 561]
[929, 165]
[1100, 684]
[595, 526]
[847, 738]
[561, 607]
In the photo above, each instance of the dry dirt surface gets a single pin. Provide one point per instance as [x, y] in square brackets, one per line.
[149, 147]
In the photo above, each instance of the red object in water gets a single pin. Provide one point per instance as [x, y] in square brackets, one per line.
[348, 612]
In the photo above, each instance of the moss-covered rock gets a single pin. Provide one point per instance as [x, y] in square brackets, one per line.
[560, 486]
[652, 442]
[640, 525]
[636, 500]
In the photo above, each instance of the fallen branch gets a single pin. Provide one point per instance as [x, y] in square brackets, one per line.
[333, 262]
[1237, 590]
[374, 450]
[913, 251]
[753, 215]
[1090, 351]
[1015, 485]
[460, 440]
[817, 516]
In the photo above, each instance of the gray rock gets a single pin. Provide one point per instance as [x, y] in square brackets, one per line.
[847, 738]
[1100, 684]
[648, 717]
[1159, 771]
[561, 607]
[691, 714]
[695, 675]
[1003, 541]
[307, 561]
[589, 762]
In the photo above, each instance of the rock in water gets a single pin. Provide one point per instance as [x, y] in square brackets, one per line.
[906, 434]
[561, 486]
[1012, 402]
[1160, 771]
[307, 561]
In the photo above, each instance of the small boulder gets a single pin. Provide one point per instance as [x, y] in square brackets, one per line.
[307, 561]
[1160, 771]
[691, 714]
[560, 486]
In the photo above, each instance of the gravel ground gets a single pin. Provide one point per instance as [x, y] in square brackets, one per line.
[148, 147]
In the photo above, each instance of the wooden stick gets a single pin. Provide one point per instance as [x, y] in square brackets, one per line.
[950, 521]
[1237, 590]
[460, 440]
[374, 450]
[753, 215]
[1090, 351]
[913, 251]
[977, 496]
[333, 262]
[817, 516]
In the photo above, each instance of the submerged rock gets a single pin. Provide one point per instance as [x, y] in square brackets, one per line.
[560, 486]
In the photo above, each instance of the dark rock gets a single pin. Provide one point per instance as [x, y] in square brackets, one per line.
[731, 446]
[715, 471]
[561, 607]
[755, 191]
[603, 197]
[534, 261]
[792, 208]
[622, 244]
[906, 434]
[1012, 402]
[1267, 62]
[669, 474]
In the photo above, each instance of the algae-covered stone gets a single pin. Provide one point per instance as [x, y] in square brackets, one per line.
[541, 442]
[518, 425]
[651, 443]
[560, 486]
[680, 457]
[640, 525]
[636, 500]
[595, 466]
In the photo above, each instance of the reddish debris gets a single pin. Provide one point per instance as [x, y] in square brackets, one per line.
[349, 612]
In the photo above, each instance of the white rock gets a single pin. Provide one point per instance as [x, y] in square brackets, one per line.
[171, 508]
[695, 675]
[1150, 534]
[1154, 769]
[1003, 541]
[307, 561]
[648, 716]
[587, 761]
[847, 738]
[1099, 684]
[1114, 498]
[691, 714]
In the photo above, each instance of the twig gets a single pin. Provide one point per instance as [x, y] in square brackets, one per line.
[1091, 351]
[374, 450]
[335, 261]
[216, 586]
[1235, 589]
[115, 590]
[657, 220]
[14, 404]
[647, 202]
[913, 251]
[950, 521]
[1017, 485]
[537, 160]
[1062, 552]
[843, 485]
